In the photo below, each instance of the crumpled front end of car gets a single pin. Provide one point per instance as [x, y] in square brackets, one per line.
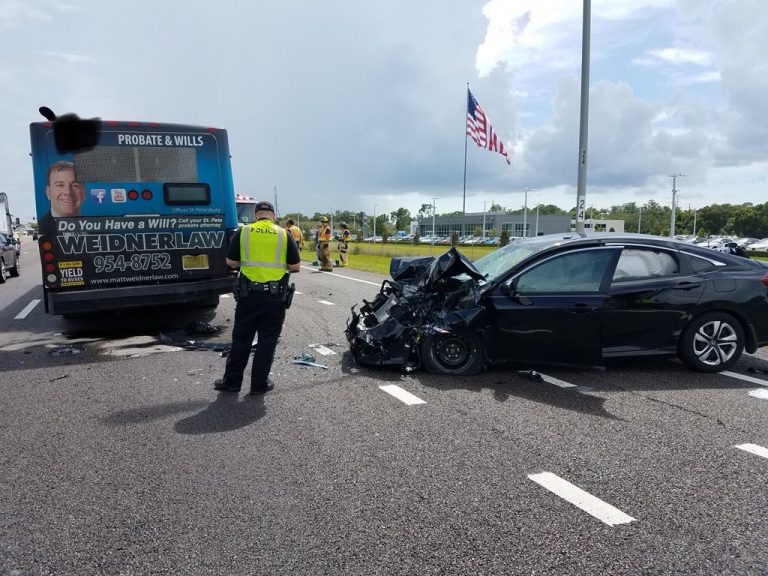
[426, 296]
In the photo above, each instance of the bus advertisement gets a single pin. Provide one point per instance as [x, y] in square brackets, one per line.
[142, 219]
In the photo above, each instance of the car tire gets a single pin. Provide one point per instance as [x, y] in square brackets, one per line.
[712, 342]
[2, 271]
[457, 354]
[15, 270]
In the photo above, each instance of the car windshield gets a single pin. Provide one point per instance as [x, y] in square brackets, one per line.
[498, 262]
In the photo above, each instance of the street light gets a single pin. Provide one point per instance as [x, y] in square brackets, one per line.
[674, 204]
[639, 218]
[433, 218]
[484, 205]
[525, 211]
[537, 218]
[374, 221]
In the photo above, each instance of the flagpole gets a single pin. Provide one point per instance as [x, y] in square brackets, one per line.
[464, 197]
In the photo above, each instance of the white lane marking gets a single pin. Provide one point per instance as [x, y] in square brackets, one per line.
[402, 395]
[581, 499]
[326, 303]
[754, 449]
[322, 349]
[759, 393]
[27, 309]
[557, 382]
[334, 275]
[744, 377]
[297, 292]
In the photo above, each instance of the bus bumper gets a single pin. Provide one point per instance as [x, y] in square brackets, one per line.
[132, 297]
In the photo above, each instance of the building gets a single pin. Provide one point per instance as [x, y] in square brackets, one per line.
[591, 225]
[531, 224]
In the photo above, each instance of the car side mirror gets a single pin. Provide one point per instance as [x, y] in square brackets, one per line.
[509, 288]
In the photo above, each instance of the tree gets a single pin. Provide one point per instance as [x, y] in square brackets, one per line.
[504, 238]
[425, 211]
[454, 238]
[401, 218]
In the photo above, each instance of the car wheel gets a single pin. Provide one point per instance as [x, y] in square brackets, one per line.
[15, 270]
[458, 354]
[2, 271]
[712, 342]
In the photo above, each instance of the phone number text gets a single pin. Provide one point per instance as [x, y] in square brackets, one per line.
[136, 262]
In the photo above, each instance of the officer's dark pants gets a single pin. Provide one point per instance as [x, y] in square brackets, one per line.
[261, 313]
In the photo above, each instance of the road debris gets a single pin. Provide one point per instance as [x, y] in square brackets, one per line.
[65, 351]
[308, 360]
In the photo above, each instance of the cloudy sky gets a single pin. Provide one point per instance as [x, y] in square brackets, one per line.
[348, 104]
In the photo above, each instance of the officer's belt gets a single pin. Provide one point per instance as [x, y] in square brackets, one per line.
[277, 287]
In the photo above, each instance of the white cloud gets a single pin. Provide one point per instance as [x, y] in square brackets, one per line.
[682, 56]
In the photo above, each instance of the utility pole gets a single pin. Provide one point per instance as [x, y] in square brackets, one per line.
[374, 220]
[639, 218]
[484, 205]
[674, 202]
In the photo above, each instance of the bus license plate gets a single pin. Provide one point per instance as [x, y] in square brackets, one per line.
[190, 262]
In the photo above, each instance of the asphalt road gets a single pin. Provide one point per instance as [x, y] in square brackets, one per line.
[117, 457]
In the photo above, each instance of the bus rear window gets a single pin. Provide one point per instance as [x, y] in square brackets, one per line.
[186, 194]
[136, 164]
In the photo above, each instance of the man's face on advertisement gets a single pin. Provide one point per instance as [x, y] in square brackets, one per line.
[65, 193]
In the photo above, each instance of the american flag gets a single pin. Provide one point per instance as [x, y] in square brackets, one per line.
[480, 130]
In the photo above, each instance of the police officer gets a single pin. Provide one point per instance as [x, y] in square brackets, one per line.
[324, 237]
[264, 252]
[344, 244]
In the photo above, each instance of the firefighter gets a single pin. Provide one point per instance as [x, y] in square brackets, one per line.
[295, 231]
[344, 244]
[324, 238]
[265, 254]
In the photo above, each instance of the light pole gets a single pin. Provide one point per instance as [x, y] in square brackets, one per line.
[525, 211]
[639, 218]
[581, 185]
[484, 205]
[674, 203]
[537, 219]
[433, 218]
[374, 221]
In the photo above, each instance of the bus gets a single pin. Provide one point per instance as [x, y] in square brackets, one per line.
[141, 219]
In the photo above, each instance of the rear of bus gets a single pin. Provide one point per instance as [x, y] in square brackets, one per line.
[143, 219]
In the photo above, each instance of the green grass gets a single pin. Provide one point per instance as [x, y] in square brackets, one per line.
[376, 257]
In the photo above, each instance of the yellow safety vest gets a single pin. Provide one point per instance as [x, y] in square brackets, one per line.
[325, 234]
[296, 232]
[263, 251]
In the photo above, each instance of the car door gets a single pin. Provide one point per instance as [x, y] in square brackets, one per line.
[551, 311]
[651, 294]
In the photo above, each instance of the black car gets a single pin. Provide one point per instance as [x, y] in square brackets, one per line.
[566, 299]
[9, 257]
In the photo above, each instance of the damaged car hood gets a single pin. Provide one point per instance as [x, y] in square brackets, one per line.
[427, 295]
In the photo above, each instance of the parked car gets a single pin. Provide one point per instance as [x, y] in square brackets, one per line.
[567, 299]
[9, 257]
